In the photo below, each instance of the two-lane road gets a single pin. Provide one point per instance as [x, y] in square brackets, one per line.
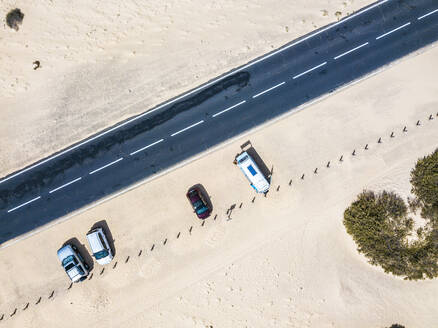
[192, 123]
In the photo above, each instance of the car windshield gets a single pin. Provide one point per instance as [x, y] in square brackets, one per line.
[198, 203]
[201, 209]
[101, 254]
[67, 260]
[69, 266]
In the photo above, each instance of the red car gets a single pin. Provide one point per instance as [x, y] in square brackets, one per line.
[198, 202]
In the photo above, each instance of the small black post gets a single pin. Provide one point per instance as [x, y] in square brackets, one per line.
[392, 135]
[39, 300]
[139, 253]
[302, 177]
[340, 159]
[328, 164]
[316, 171]
[278, 189]
[366, 147]
[179, 234]
[430, 117]
[354, 152]
[418, 122]
[290, 182]
[253, 200]
[405, 129]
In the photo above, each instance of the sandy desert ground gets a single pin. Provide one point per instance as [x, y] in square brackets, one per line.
[104, 62]
[280, 261]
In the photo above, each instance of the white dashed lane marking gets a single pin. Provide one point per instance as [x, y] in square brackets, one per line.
[309, 70]
[146, 147]
[394, 30]
[28, 202]
[429, 13]
[351, 50]
[267, 90]
[65, 185]
[227, 109]
[348, 18]
[185, 129]
[105, 166]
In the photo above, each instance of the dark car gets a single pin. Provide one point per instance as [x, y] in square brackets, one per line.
[199, 204]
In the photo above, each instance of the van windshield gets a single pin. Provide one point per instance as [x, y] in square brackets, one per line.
[101, 254]
[243, 159]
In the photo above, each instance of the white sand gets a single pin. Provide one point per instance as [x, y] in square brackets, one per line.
[102, 62]
[283, 261]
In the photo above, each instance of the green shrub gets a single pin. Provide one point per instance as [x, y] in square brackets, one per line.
[424, 180]
[379, 224]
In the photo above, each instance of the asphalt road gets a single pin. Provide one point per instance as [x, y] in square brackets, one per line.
[143, 146]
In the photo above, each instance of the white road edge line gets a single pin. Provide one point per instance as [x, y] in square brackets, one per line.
[185, 129]
[105, 166]
[429, 13]
[309, 70]
[65, 185]
[146, 147]
[267, 90]
[349, 51]
[392, 31]
[197, 89]
[190, 160]
[227, 109]
[28, 202]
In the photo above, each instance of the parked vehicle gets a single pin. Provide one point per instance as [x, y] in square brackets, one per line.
[99, 246]
[73, 263]
[252, 172]
[198, 201]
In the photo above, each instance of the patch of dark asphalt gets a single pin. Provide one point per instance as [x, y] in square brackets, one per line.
[40, 177]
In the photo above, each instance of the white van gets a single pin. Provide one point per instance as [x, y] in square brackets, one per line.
[252, 172]
[100, 247]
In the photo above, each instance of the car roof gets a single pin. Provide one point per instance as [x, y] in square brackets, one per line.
[94, 241]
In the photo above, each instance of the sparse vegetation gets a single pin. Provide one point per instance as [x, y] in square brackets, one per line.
[380, 225]
[396, 325]
[424, 180]
[14, 18]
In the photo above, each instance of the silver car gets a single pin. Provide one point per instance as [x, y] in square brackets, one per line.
[99, 246]
[73, 263]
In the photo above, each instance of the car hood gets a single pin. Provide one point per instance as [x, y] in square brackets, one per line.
[64, 252]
